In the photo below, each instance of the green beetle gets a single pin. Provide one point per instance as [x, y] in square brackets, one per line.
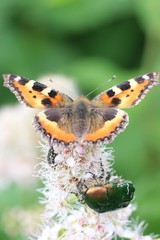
[108, 197]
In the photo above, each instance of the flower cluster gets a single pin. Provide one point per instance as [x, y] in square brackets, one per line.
[61, 169]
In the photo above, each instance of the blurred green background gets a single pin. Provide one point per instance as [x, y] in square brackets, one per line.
[89, 41]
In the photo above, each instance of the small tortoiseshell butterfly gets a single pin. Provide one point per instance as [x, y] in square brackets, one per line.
[65, 120]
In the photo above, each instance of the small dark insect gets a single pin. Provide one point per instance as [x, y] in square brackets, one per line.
[51, 157]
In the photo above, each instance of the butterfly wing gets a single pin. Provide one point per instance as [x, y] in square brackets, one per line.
[129, 93]
[114, 122]
[35, 94]
[46, 123]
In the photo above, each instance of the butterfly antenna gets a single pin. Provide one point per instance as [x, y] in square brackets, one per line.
[112, 78]
[55, 83]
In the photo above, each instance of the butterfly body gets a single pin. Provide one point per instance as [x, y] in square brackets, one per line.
[82, 120]
[80, 117]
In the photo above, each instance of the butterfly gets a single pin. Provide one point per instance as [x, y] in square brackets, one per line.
[64, 120]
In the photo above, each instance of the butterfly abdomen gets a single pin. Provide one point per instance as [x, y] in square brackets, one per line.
[81, 117]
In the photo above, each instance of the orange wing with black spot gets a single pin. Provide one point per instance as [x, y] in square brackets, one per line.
[46, 123]
[35, 94]
[129, 93]
[115, 121]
